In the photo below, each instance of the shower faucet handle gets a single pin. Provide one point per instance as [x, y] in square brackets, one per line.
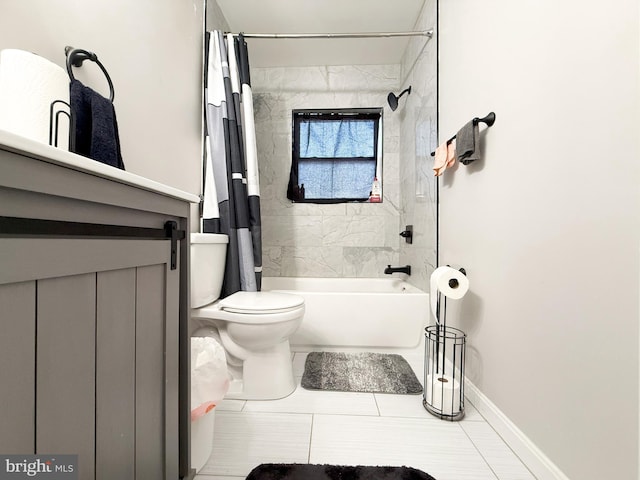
[407, 234]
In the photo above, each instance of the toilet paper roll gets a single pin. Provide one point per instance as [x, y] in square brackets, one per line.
[449, 282]
[443, 393]
[28, 85]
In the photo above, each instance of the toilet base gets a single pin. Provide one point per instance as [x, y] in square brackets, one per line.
[266, 375]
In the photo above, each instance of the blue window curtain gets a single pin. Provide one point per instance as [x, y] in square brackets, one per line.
[345, 138]
[336, 179]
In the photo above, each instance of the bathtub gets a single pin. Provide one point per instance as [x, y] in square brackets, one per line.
[356, 312]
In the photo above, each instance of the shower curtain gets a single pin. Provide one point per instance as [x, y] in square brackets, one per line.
[231, 188]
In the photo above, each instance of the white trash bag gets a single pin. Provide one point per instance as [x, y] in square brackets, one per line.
[209, 375]
[209, 384]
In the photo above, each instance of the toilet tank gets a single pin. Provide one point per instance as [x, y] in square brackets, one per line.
[208, 255]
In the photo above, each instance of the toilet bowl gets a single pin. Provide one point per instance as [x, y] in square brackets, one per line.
[253, 327]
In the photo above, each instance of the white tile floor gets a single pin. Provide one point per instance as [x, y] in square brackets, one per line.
[356, 429]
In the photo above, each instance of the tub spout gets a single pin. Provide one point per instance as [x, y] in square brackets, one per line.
[389, 270]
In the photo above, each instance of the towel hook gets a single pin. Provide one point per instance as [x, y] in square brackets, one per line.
[75, 57]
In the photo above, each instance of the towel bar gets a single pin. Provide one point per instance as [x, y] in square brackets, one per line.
[489, 120]
[75, 57]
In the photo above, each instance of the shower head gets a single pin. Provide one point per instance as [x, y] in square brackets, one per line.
[393, 99]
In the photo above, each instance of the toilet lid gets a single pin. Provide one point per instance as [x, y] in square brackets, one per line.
[260, 302]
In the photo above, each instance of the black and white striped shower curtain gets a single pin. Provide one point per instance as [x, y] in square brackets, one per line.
[231, 186]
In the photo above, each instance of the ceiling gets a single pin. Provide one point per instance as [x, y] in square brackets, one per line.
[323, 16]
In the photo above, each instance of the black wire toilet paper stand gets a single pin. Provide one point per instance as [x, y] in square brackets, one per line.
[444, 364]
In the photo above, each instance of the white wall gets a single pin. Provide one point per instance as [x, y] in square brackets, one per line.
[215, 17]
[548, 223]
[152, 50]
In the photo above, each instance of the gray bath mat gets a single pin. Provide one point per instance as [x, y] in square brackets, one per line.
[359, 372]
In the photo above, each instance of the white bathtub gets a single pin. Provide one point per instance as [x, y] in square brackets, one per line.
[356, 312]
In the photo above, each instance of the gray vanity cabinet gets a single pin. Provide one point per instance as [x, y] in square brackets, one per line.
[93, 337]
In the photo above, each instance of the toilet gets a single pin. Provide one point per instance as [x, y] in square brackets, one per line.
[253, 327]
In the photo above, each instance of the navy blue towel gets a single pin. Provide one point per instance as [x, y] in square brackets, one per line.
[96, 129]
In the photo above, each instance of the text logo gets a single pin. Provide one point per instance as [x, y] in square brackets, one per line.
[50, 467]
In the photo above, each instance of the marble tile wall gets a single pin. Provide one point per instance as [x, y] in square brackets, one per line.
[418, 138]
[353, 240]
[312, 240]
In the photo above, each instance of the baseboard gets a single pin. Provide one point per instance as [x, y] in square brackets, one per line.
[536, 461]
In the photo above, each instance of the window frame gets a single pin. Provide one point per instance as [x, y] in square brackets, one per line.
[297, 115]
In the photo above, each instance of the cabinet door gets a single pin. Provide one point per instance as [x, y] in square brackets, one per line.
[92, 341]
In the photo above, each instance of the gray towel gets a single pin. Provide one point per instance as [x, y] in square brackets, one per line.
[468, 143]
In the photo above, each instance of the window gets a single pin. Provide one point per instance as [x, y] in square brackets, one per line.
[336, 155]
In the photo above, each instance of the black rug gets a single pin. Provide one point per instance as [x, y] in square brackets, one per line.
[293, 471]
[359, 372]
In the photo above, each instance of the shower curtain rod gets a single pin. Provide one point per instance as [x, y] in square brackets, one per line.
[424, 33]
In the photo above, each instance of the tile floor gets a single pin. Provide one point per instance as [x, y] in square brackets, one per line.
[356, 429]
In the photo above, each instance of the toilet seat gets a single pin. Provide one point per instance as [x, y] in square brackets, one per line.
[258, 303]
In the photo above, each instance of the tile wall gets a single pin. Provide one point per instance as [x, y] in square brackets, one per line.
[312, 240]
[356, 239]
[418, 138]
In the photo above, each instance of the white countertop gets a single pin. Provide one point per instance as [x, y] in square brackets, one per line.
[47, 153]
